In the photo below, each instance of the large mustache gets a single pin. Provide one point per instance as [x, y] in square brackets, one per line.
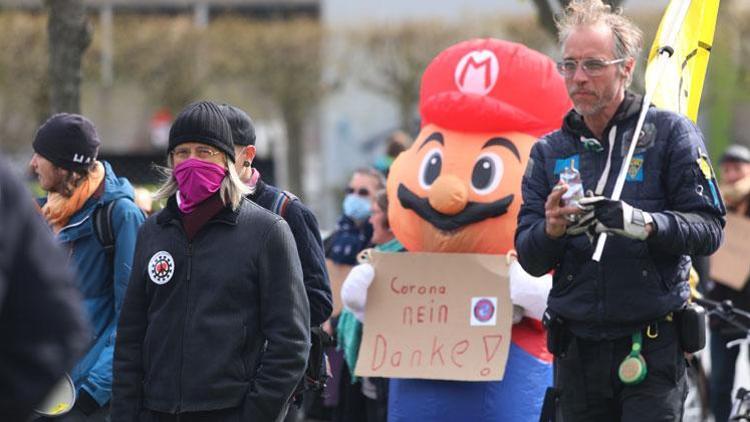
[473, 213]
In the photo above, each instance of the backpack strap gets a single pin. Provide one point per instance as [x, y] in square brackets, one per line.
[103, 229]
[281, 201]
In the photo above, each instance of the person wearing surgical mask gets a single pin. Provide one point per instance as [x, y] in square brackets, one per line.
[353, 234]
[215, 323]
[353, 231]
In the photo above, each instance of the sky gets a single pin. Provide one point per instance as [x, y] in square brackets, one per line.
[354, 11]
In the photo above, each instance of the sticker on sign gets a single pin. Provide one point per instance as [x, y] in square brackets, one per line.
[483, 311]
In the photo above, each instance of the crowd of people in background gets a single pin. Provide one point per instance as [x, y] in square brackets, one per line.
[155, 340]
[170, 317]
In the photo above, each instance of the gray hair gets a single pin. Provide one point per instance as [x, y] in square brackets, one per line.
[627, 37]
[231, 192]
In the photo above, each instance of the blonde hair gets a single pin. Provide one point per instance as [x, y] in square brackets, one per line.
[628, 39]
[231, 192]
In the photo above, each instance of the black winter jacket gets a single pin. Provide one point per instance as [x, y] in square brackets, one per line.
[304, 227]
[215, 323]
[43, 330]
[636, 282]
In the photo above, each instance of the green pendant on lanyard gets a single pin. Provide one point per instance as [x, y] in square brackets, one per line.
[633, 368]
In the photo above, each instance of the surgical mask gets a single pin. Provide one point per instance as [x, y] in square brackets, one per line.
[197, 180]
[356, 207]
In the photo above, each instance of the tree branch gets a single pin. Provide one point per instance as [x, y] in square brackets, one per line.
[69, 35]
[546, 17]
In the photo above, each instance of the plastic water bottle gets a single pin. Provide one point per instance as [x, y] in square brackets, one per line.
[571, 177]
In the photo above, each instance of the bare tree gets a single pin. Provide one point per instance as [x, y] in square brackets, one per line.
[69, 35]
[390, 61]
[546, 12]
[290, 76]
[24, 91]
[163, 56]
[283, 62]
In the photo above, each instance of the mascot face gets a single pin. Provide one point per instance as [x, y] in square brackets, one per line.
[483, 104]
[458, 192]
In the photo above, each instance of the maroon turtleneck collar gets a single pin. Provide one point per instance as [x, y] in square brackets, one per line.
[206, 210]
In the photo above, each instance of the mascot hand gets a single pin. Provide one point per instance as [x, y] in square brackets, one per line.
[354, 289]
[529, 292]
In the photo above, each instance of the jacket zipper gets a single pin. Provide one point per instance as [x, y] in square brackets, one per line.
[185, 318]
[70, 226]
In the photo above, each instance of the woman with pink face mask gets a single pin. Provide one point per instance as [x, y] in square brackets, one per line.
[215, 320]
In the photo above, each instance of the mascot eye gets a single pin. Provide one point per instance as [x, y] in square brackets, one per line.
[488, 170]
[430, 168]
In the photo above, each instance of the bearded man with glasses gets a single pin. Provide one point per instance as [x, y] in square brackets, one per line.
[613, 323]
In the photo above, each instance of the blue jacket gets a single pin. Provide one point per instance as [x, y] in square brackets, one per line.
[102, 288]
[636, 282]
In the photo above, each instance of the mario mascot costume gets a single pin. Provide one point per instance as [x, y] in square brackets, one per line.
[483, 104]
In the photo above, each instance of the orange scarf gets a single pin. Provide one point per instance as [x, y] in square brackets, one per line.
[58, 209]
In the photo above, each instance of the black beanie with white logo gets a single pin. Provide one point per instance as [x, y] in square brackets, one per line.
[68, 141]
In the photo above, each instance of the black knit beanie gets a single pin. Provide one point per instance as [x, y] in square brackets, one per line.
[202, 122]
[68, 141]
[243, 131]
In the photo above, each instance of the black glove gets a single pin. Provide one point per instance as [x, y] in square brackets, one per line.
[618, 217]
[583, 223]
[85, 403]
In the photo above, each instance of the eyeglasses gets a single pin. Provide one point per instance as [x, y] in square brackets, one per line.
[591, 67]
[360, 191]
[203, 153]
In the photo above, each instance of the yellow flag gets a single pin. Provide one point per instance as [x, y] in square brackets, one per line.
[679, 88]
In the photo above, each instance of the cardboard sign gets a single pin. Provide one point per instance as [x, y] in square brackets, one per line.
[336, 275]
[730, 265]
[437, 316]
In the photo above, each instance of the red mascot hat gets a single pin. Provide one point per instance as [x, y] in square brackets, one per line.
[468, 88]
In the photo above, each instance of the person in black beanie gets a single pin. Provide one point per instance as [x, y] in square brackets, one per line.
[202, 122]
[301, 221]
[77, 185]
[215, 324]
[69, 143]
[300, 218]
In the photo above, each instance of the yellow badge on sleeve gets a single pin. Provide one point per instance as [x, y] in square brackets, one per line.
[705, 167]
[708, 173]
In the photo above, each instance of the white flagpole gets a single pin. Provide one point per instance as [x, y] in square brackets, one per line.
[665, 53]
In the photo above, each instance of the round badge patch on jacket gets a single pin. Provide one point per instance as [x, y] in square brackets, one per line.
[161, 267]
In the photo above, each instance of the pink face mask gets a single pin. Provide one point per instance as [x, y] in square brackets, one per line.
[197, 181]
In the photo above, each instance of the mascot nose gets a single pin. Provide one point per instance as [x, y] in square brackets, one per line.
[448, 195]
